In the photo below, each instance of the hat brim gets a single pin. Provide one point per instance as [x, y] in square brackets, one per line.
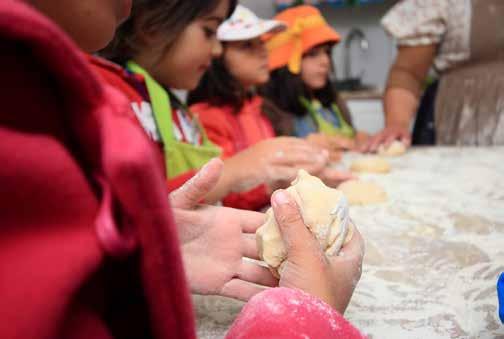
[252, 32]
[323, 35]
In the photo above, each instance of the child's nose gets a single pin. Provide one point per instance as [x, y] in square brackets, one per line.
[325, 60]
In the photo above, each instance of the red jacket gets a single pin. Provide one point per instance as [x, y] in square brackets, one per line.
[74, 171]
[235, 132]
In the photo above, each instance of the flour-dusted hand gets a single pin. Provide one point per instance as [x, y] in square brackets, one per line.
[330, 278]
[216, 239]
[274, 162]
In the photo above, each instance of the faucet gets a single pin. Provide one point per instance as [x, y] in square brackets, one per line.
[355, 33]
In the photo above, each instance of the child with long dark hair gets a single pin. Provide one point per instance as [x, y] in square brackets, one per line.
[301, 66]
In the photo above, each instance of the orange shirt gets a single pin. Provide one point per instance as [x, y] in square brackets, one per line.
[234, 132]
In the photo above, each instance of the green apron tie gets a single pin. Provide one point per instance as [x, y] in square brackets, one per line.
[180, 157]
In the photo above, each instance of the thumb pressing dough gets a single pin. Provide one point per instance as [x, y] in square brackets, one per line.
[370, 164]
[362, 192]
[396, 148]
[325, 214]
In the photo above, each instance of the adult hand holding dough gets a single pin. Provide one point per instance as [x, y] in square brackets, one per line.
[330, 278]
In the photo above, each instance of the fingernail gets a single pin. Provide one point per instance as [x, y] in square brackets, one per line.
[280, 198]
[207, 165]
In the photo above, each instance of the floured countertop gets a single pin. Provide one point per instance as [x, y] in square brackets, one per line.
[433, 251]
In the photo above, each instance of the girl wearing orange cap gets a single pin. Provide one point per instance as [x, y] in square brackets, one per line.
[300, 61]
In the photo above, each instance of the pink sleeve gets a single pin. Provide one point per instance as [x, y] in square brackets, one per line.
[290, 313]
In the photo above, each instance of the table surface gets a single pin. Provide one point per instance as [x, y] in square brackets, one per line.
[433, 251]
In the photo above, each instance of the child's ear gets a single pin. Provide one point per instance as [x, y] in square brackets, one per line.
[152, 44]
[148, 38]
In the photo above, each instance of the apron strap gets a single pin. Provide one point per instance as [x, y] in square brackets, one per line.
[179, 157]
[346, 129]
[160, 102]
[307, 104]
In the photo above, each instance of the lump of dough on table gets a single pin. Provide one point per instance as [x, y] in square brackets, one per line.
[362, 192]
[370, 164]
[396, 148]
[325, 213]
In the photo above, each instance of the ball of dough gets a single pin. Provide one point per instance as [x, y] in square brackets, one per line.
[370, 164]
[362, 192]
[396, 148]
[325, 213]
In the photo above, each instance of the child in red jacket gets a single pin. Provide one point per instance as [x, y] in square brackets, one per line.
[72, 199]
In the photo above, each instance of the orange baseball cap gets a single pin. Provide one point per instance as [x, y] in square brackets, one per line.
[306, 28]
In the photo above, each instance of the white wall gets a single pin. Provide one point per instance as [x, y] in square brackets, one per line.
[263, 8]
[367, 17]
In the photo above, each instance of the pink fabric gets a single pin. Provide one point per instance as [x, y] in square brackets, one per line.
[289, 313]
[71, 159]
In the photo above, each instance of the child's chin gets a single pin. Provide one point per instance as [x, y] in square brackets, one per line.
[190, 84]
[319, 85]
[263, 80]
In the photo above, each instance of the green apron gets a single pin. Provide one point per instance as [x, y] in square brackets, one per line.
[180, 157]
[323, 125]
